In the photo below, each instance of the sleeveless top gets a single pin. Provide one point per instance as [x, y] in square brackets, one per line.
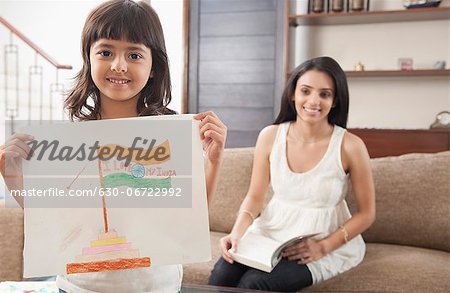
[310, 202]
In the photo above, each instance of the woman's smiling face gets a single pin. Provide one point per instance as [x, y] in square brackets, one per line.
[314, 96]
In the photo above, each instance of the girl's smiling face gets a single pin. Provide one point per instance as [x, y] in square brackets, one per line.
[120, 70]
[314, 96]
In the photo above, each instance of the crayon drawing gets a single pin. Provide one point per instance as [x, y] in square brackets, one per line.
[109, 251]
[143, 226]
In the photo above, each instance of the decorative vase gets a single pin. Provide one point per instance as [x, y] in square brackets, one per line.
[357, 5]
[337, 5]
[318, 6]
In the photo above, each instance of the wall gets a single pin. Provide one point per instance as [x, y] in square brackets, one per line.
[171, 15]
[383, 102]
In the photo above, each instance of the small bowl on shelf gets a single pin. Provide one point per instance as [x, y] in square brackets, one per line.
[408, 4]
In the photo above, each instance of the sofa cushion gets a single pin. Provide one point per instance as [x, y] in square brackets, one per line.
[393, 268]
[412, 201]
[385, 268]
[11, 235]
[232, 187]
[412, 205]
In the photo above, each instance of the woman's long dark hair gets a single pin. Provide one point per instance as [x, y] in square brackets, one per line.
[135, 22]
[339, 113]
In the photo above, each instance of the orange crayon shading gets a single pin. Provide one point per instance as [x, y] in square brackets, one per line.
[110, 265]
[149, 157]
[102, 185]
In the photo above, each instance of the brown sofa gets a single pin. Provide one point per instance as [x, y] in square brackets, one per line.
[407, 247]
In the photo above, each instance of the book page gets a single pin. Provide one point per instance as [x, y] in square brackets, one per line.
[292, 241]
[257, 247]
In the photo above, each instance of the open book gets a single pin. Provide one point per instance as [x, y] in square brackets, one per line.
[261, 252]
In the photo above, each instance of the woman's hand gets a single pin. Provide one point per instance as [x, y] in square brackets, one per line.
[227, 242]
[213, 134]
[305, 251]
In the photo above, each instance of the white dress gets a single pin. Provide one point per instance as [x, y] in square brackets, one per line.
[310, 202]
[162, 279]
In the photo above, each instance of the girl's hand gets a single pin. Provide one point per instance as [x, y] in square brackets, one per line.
[305, 251]
[213, 134]
[11, 154]
[227, 242]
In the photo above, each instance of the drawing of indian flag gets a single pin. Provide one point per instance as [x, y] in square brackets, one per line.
[110, 251]
[146, 157]
[135, 179]
[123, 179]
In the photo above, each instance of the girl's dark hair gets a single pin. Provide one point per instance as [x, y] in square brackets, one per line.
[339, 113]
[134, 22]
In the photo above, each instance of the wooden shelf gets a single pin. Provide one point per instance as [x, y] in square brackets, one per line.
[363, 17]
[394, 73]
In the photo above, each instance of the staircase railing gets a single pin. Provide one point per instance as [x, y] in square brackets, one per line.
[13, 103]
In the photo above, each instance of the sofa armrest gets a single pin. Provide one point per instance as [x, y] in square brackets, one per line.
[11, 244]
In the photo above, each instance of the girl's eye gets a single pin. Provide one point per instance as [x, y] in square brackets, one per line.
[304, 91]
[105, 53]
[135, 56]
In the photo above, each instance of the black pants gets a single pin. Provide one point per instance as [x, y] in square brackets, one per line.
[287, 276]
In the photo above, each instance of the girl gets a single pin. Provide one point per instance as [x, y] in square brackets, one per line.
[125, 74]
[309, 157]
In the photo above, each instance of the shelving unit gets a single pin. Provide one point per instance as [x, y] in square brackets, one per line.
[416, 33]
[396, 73]
[364, 17]
[399, 73]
